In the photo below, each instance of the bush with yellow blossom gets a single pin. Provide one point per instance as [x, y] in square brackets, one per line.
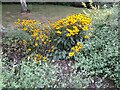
[69, 35]
[60, 41]
[39, 43]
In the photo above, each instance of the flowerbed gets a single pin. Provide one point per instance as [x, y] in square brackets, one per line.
[94, 52]
[60, 41]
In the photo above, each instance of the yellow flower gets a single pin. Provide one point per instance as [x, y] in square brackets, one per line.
[75, 27]
[77, 47]
[36, 44]
[29, 49]
[35, 34]
[72, 32]
[44, 42]
[39, 57]
[37, 38]
[77, 50]
[91, 28]
[59, 32]
[71, 54]
[52, 49]
[68, 30]
[41, 36]
[48, 50]
[85, 28]
[18, 20]
[24, 41]
[35, 59]
[58, 27]
[80, 46]
[68, 34]
[78, 43]
[85, 36]
[44, 59]
[50, 41]
[36, 55]
[73, 48]
[24, 29]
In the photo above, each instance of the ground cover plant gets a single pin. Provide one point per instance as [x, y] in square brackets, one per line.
[75, 51]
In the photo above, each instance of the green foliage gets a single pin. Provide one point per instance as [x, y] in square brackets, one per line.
[28, 75]
[100, 55]
[31, 75]
[104, 4]
[15, 35]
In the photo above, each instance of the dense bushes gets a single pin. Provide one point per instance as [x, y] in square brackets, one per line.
[100, 56]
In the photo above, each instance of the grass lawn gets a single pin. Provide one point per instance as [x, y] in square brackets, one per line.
[11, 12]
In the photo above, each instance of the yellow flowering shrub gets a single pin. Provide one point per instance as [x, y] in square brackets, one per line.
[39, 42]
[60, 41]
[69, 34]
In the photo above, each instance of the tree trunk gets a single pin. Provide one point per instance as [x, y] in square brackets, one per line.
[24, 8]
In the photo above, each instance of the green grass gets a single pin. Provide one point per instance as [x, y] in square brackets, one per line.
[40, 12]
[11, 12]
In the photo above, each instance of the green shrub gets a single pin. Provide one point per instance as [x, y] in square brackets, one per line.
[100, 55]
